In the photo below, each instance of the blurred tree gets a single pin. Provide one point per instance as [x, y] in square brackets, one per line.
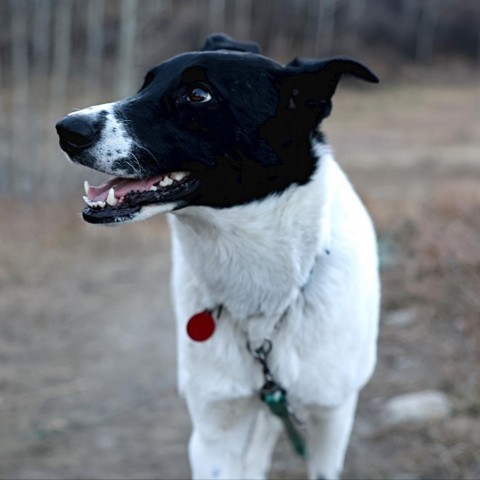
[243, 19]
[280, 19]
[126, 47]
[61, 51]
[216, 15]
[408, 21]
[478, 40]
[42, 14]
[94, 46]
[325, 19]
[40, 68]
[426, 30]
[20, 93]
[356, 10]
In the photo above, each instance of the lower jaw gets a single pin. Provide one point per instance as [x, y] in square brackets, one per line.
[127, 215]
[141, 206]
[110, 215]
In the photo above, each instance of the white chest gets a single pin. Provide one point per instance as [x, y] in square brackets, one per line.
[269, 259]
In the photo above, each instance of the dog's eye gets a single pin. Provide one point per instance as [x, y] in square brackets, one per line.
[199, 95]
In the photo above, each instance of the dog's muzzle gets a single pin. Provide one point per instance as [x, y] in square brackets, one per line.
[128, 195]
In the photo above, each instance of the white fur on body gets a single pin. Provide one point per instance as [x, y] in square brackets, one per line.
[301, 269]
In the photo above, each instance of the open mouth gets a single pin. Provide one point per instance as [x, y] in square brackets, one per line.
[121, 199]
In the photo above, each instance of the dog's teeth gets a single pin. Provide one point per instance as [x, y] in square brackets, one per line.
[86, 186]
[98, 204]
[111, 200]
[85, 199]
[153, 188]
[166, 182]
[177, 176]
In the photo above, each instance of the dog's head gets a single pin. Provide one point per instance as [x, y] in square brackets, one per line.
[219, 127]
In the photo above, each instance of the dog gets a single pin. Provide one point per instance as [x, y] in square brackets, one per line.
[275, 271]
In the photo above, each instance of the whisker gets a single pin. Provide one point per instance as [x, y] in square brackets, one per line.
[154, 158]
[139, 170]
[147, 150]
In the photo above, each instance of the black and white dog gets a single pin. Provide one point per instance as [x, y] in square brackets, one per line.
[272, 248]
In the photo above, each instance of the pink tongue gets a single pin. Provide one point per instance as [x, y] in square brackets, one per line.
[121, 186]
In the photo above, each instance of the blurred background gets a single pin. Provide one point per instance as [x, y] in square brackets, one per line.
[87, 349]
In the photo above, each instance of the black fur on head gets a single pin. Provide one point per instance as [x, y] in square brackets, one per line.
[241, 123]
[253, 137]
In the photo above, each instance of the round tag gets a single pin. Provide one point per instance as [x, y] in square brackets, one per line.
[201, 326]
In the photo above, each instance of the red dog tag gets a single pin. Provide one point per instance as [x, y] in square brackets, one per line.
[201, 326]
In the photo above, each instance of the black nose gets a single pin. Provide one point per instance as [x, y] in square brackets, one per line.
[76, 133]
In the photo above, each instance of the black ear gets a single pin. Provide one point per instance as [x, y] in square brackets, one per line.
[220, 41]
[310, 83]
[332, 68]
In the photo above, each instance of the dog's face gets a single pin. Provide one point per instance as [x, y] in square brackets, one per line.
[220, 127]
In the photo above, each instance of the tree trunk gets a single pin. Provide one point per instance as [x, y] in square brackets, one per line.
[16, 172]
[280, 22]
[94, 47]
[61, 53]
[216, 16]
[426, 30]
[41, 38]
[40, 76]
[355, 16]
[243, 19]
[126, 47]
[325, 26]
[478, 41]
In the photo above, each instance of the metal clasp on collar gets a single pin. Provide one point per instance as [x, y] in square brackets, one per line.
[275, 397]
[260, 354]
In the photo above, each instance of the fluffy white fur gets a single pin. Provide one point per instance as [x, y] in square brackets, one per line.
[301, 269]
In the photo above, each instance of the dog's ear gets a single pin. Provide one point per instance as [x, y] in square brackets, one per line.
[310, 83]
[332, 68]
[220, 41]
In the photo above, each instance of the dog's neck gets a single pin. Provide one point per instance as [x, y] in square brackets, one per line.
[255, 258]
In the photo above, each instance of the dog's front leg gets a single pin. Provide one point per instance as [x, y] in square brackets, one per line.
[231, 439]
[328, 432]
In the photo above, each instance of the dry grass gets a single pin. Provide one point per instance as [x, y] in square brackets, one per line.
[437, 267]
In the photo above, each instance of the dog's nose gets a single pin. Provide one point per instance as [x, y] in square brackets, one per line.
[76, 133]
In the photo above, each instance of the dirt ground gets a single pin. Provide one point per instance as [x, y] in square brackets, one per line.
[87, 341]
